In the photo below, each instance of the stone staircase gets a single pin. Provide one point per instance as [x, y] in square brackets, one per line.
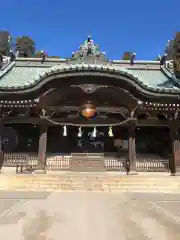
[94, 182]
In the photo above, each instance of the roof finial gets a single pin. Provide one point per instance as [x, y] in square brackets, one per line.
[89, 39]
[133, 58]
[159, 57]
[163, 60]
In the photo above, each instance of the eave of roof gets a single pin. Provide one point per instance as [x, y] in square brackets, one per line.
[27, 72]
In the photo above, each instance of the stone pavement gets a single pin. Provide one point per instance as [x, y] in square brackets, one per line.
[87, 216]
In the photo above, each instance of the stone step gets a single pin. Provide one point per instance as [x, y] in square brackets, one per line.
[166, 179]
[148, 183]
[89, 176]
[15, 182]
[103, 183]
[92, 189]
[120, 184]
[102, 188]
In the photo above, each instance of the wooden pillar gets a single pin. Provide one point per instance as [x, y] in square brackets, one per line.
[42, 147]
[131, 166]
[1, 146]
[174, 163]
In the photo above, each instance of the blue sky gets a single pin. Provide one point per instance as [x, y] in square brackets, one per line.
[59, 27]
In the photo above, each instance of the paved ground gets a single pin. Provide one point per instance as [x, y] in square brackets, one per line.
[101, 216]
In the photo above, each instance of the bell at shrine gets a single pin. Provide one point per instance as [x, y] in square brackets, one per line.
[88, 111]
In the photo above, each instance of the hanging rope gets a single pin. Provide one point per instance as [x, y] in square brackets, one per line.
[88, 125]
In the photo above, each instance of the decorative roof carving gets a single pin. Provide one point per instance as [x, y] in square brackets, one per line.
[89, 52]
[89, 88]
[169, 65]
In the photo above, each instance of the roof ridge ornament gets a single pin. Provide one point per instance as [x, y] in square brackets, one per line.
[89, 52]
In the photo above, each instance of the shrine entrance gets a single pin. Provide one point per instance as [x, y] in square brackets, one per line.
[87, 142]
[88, 152]
[20, 144]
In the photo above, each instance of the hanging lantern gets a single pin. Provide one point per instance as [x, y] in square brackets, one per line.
[88, 111]
[64, 131]
[94, 132]
[80, 132]
[110, 133]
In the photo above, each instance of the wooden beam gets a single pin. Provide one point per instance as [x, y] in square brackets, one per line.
[152, 123]
[38, 120]
[76, 108]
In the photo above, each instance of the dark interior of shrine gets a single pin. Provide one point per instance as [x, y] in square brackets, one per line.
[25, 138]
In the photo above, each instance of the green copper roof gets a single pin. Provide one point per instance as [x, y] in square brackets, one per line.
[20, 76]
[154, 78]
[23, 73]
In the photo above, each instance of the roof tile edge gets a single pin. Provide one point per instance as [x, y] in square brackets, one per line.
[39, 59]
[66, 59]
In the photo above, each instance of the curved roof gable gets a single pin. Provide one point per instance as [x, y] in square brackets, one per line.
[24, 74]
[137, 76]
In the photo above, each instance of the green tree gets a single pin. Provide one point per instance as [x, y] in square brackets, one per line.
[25, 46]
[5, 42]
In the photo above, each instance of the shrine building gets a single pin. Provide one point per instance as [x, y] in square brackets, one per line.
[89, 113]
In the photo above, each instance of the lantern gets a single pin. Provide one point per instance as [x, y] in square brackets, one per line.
[88, 111]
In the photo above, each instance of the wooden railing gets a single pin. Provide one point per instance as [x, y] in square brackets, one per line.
[152, 163]
[144, 162]
[58, 162]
